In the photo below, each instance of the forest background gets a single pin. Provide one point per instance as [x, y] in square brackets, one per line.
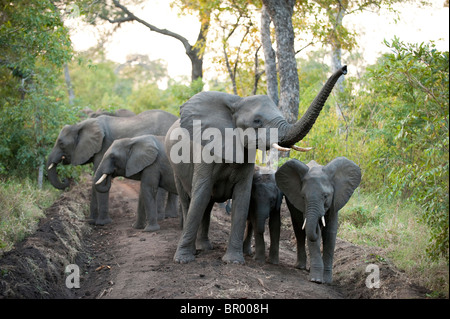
[390, 115]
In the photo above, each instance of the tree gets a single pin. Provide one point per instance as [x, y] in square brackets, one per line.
[118, 13]
[280, 13]
[35, 46]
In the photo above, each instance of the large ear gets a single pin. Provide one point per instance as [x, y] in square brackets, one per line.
[143, 153]
[209, 110]
[289, 178]
[346, 176]
[90, 140]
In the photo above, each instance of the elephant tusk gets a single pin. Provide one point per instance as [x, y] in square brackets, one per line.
[304, 224]
[51, 166]
[301, 149]
[323, 221]
[278, 147]
[104, 176]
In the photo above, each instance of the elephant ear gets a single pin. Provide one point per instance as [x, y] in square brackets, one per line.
[143, 153]
[90, 141]
[346, 176]
[209, 110]
[289, 179]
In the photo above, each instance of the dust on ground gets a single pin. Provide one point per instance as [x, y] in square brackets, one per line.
[118, 261]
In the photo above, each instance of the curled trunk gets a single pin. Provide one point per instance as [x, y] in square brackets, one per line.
[296, 132]
[53, 160]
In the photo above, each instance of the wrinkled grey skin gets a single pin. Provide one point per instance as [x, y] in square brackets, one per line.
[141, 158]
[265, 203]
[87, 141]
[200, 183]
[313, 191]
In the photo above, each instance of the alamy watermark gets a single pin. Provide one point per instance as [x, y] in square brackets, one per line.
[73, 276]
[373, 279]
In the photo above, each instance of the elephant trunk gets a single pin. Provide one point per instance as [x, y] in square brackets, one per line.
[102, 183]
[53, 160]
[314, 213]
[292, 133]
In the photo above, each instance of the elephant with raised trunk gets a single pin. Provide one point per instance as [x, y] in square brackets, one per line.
[141, 158]
[87, 141]
[314, 195]
[265, 204]
[201, 181]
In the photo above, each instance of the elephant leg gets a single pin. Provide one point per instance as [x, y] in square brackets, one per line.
[239, 212]
[260, 245]
[93, 206]
[172, 206]
[247, 246]
[300, 235]
[161, 200]
[149, 196]
[184, 201]
[329, 234]
[103, 209]
[202, 242]
[316, 261]
[201, 190]
[274, 230]
[141, 216]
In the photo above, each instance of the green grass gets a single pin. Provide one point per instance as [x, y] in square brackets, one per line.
[396, 228]
[22, 204]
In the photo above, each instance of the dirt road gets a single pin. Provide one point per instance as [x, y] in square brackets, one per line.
[118, 261]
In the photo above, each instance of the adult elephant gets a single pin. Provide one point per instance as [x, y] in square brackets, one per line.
[200, 181]
[316, 193]
[87, 141]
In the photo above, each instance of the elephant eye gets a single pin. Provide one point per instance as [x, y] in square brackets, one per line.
[257, 122]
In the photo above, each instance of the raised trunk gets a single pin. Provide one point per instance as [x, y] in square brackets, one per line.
[296, 132]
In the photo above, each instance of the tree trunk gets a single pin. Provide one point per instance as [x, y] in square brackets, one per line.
[281, 14]
[69, 84]
[336, 57]
[269, 57]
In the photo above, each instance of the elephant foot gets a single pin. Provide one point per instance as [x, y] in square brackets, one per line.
[152, 228]
[103, 221]
[91, 221]
[203, 244]
[327, 277]
[273, 260]
[261, 258]
[316, 275]
[138, 225]
[183, 256]
[233, 258]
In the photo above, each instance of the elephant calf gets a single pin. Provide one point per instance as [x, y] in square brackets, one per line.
[140, 158]
[265, 203]
[314, 196]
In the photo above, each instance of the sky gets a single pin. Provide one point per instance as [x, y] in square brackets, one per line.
[415, 25]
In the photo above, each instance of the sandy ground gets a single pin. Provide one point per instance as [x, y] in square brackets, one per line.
[118, 261]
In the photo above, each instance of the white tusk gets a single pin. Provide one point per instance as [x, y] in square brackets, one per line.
[323, 221]
[51, 166]
[301, 149]
[304, 224]
[63, 157]
[278, 147]
[104, 176]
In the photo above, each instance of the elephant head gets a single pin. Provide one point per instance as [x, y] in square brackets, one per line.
[76, 145]
[319, 192]
[222, 111]
[125, 157]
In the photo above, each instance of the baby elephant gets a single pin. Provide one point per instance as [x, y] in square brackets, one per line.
[140, 158]
[314, 196]
[265, 203]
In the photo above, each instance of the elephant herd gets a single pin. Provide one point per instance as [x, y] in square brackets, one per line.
[193, 159]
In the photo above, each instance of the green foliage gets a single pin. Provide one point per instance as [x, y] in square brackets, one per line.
[34, 46]
[22, 206]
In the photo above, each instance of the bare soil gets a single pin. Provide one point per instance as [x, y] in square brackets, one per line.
[118, 261]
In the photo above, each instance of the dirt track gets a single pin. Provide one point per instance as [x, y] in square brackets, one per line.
[117, 261]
